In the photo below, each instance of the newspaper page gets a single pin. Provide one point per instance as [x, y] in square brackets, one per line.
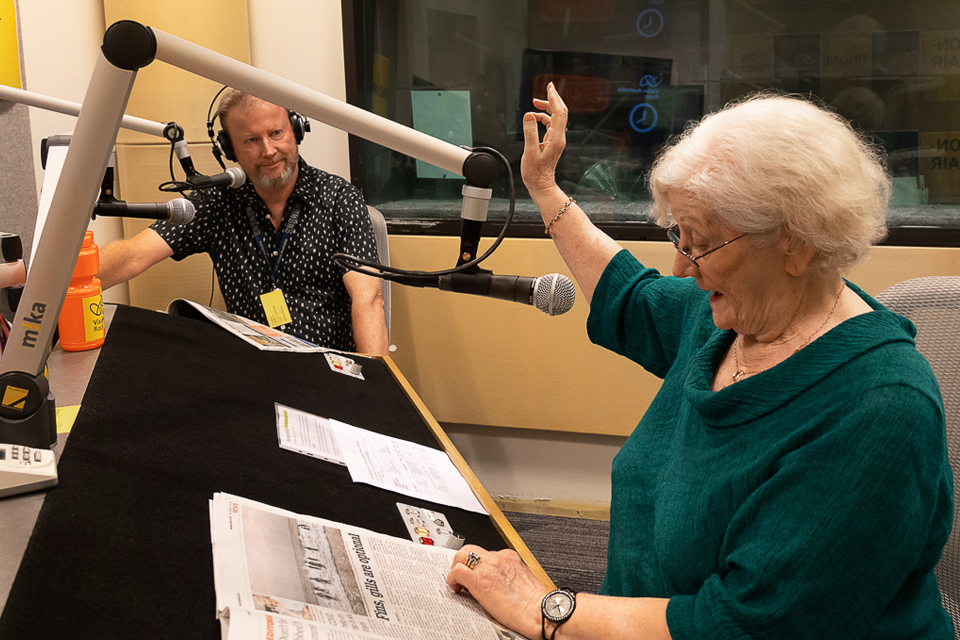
[282, 575]
[261, 336]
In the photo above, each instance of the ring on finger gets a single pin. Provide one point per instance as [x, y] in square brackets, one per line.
[472, 560]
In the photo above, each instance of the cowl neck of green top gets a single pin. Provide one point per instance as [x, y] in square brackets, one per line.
[766, 392]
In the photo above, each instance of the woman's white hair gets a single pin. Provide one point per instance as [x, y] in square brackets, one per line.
[772, 163]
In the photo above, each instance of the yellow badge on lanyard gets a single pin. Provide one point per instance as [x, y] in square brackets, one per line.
[275, 307]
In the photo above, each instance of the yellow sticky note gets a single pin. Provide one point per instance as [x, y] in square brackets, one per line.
[66, 417]
[9, 45]
[275, 307]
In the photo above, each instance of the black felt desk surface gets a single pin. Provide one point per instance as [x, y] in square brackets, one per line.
[175, 411]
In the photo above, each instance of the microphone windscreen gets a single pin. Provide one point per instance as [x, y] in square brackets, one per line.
[181, 211]
[238, 177]
[554, 294]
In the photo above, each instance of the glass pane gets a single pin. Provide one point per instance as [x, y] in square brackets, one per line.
[635, 73]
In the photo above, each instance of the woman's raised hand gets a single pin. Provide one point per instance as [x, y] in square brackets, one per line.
[539, 162]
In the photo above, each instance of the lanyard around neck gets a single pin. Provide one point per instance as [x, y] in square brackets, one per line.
[287, 232]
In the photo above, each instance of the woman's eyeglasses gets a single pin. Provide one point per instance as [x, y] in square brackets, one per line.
[675, 239]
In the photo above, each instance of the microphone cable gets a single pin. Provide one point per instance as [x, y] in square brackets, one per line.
[178, 186]
[213, 140]
[385, 272]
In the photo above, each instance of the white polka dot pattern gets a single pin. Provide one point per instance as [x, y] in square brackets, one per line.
[333, 219]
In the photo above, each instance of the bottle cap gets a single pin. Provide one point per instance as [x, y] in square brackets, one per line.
[88, 262]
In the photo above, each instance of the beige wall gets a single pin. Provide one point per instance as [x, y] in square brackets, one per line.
[488, 362]
[61, 43]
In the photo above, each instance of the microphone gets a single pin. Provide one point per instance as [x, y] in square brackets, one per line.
[232, 178]
[177, 211]
[553, 294]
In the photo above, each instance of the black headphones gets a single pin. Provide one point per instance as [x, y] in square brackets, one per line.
[223, 147]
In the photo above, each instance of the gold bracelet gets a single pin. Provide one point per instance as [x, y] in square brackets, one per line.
[570, 201]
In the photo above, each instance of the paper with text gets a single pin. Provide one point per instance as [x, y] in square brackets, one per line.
[404, 467]
[307, 434]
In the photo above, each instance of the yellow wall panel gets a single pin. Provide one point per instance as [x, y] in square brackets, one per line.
[9, 45]
[164, 93]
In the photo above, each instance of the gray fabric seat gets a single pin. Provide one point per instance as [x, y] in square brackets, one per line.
[383, 255]
[933, 305]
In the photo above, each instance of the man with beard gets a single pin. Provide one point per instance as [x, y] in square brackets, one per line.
[271, 240]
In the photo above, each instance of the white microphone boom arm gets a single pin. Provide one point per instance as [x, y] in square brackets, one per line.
[57, 105]
[478, 168]
[27, 409]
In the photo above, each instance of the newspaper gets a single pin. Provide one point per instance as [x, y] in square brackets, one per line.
[280, 576]
[259, 335]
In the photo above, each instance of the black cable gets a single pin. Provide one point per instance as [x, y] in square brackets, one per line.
[213, 280]
[385, 272]
[213, 140]
[210, 108]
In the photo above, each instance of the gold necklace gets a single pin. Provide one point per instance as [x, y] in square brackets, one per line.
[739, 373]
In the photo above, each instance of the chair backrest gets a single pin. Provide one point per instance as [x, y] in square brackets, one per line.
[933, 305]
[383, 255]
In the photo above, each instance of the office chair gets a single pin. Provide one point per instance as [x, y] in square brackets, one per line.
[933, 305]
[383, 255]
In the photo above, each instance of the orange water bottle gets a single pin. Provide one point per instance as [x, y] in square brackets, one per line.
[81, 319]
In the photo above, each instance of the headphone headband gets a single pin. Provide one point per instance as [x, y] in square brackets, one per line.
[223, 146]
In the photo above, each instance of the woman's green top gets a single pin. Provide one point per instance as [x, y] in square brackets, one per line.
[811, 500]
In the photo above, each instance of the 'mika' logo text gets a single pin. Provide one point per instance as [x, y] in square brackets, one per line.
[32, 324]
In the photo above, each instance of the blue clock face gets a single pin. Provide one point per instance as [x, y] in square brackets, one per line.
[643, 117]
[649, 23]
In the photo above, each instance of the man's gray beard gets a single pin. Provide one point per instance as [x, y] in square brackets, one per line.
[268, 183]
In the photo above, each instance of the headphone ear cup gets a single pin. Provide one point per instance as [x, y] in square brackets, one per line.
[299, 124]
[225, 146]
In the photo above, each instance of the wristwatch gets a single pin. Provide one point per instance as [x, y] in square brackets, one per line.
[557, 607]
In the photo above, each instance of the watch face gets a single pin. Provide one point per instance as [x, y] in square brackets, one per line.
[558, 605]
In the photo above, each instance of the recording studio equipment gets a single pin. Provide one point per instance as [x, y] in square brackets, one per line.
[176, 211]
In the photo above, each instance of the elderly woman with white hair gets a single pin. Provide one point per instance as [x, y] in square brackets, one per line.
[790, 479]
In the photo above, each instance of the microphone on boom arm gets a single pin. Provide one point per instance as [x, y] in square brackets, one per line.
[554, 293]
[233, 177]
[176, 211]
